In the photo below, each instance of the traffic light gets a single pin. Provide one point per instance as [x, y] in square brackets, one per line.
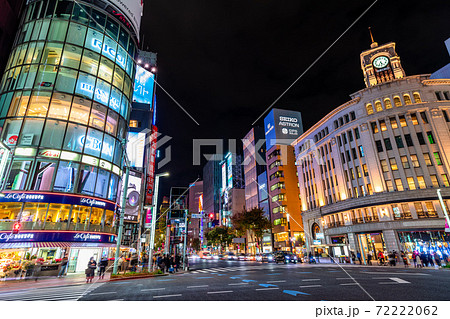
[211, 216]
[16, 228]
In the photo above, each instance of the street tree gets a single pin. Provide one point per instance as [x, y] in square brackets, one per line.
[220, 236]
[254, 221]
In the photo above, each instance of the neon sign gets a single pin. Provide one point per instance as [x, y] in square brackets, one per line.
[109, 51]
[101, 95]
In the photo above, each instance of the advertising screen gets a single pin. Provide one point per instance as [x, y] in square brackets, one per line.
[262, 187]
[132, 207]
[230, 171]
[282, 127]
[135, 149]
[143, 86]
[224, 176]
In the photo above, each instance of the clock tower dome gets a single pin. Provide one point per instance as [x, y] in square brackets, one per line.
[381, 63]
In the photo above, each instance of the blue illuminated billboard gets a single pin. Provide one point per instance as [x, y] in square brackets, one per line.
[143, 86]
[282, 127]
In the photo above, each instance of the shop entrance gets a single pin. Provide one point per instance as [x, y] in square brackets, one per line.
[371, 244]
[79, 258]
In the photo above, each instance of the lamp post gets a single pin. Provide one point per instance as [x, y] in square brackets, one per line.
[153, 223]
[122, 210]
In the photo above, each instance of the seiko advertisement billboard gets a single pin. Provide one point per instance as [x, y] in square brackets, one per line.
[282, 127]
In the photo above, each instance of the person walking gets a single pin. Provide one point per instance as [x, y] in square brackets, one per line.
[353, 257]
[418, 262]
[177, 263]
[437, 259]
[358, 255]
[64, 264]
[91, 266]
[102, 267]
[404, 258]
[167, 262]
[369, 258]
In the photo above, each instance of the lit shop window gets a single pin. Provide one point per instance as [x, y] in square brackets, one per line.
[89, 62]
[427, 158]
[88, 177]
[43, 175]
[414, 160]
[11, 130]
[35, 213]
[76, 34]
[57, 31]
[39, 104]
[80, 111]
[118, 80]
[105, 71]
[10, 211]
[60, 106]
[437, 157]
[19, 103]
[98, 116]
[398, 184]
[71, 56]
[18, 175]
[80, 217]
[66, 176]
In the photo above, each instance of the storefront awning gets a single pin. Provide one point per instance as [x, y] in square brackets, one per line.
[55, 244]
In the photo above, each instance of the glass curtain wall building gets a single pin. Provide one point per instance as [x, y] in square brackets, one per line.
[64, 109]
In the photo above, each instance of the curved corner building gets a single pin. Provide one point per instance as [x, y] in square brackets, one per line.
[370, 169]
[64, 108]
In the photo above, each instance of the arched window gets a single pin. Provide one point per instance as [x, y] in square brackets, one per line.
[407, 99]
[369, 109]
[397, 101]
[378, 106]
[387, 103]
[416, 97]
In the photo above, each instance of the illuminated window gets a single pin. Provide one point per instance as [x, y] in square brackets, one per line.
[414, 160]
[384, 166]
[374, 127]
[66, 80]
[434, 180]
[111, 122]
[369, 189]
[80, 111]
[387, 104]
[65, 177]
[437, 157]
[60, 106]
[134, 123]
[431, 211]
[366, 171]
[118, 77]
[402, 121]
[393, 122]
[71, 56]
[19, 103]
[445, 180]
[421, 182]
[105, 70]
[411, 183]
[407, 99]
[427, 159]
[393, 164]
[383, 125]
[98, 115]
[89, 62]
[369, 109]
[430, 137]
[398, 184]
[414, 119]
[405, 162]
[378, 106]
[397, 101]
[389, 186]
[31, 132]
[52, 54]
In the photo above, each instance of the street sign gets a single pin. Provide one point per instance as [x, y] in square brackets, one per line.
[197, 216]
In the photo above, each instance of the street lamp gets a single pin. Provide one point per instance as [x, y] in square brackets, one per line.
[153, 223]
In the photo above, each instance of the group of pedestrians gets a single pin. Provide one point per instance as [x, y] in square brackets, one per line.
[167, 263]
[92, 266]
[426, 259]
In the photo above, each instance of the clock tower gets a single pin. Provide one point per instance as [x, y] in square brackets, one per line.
[381, 63]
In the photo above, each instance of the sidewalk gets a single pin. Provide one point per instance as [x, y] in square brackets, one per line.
[43, 282]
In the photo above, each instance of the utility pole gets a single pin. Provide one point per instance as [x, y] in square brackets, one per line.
[122, 210]
[185, 237]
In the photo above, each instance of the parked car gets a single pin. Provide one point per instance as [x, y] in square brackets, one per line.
[267, 257]
[258, 257]
[242, 256]
[285, 257]
[230, 256]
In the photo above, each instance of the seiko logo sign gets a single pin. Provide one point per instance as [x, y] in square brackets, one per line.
[86, 237]
[289, 121]
[7, 237]
[92, 202]
[21, 196]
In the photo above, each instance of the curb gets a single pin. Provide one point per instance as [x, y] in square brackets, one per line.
[136, 277]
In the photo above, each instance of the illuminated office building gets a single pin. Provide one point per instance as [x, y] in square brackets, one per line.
[65, 100]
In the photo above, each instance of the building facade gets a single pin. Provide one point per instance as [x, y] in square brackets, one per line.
[369, 170]
[212, 182]
[64, 108]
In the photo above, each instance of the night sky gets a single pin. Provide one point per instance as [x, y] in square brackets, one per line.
[225, 62]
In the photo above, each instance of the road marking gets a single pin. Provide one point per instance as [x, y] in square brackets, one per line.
[400, 281]
[102, 293]
[152, 289]
[349, 284]
[310, 286]
[344, 278]
[219, 292]
[237, 284]
[315, 279]
[204, 277]
[394, 273]
[267, 288]
[166, 296]
[274, 281]
[200, 286]
[274, 274]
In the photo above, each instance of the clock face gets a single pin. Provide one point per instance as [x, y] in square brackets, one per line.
[380, 62]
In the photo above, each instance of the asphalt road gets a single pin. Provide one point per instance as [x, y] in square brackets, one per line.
[235, 280]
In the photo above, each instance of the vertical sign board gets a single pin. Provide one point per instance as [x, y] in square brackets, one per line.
[144, 83]
[282, 127]
[151, 167]
[230, 170]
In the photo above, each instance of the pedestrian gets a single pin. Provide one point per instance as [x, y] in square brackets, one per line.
[358, 255]
[391, 258]
[369, 258]
[102, 267]
[120, 263]
[437, 259]
[404, 258]
[423, 260]
[353, 257]
[167, 262]
[418, 262]
[64, 264]
[177, 262]
[90, 270]
[380, 257]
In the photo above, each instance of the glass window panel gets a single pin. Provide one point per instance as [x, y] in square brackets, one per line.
[76, 34]
[88, 176]
[81, 13]
[129, 67]
[74, 139]
[36, 30]
[31, 132]
[22, 77]
[121, 57]
[64, 9]
[114, 101]
[111, 122]
[113, 186]
[109, 48]
[46, 77]
[50, 8]
[60, 106]
[108, 147]
[29, 56]
[66, 80]
[52, 53]
[43, 176]
[96, 214]
[44, 29]
[118, 154]
[123, 37]
[106, 69]
[98, 115]
[94, 40]
[112, 29]
[118, 78]
[127, 87]
[57, 213]
[93, 143]
[27, 30]
[85, 85]
[80, 217]
[89, 63]
[66, 176]
[57, 31]
[39, 104]
[98, 20]
[35, 213]
[122, 130]
[101, 188]
[18, 175]
[71, 56]
[19, 103]
[53, 134]
[80, 110]
[131, 48]
[124, 107]
[109, 217]
[10, 132]
[102, 92]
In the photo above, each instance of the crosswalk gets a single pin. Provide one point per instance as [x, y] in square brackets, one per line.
[66, 293]
[227, 269]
